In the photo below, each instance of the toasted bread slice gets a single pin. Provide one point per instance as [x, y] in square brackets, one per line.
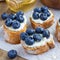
[39, 49]
[13, 37]
[45, 24]
[57, 33]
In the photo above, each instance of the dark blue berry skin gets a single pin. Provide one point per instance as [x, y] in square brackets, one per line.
[16, 24]
[43, 16]
[48, 14]
[59, 20]
[37, 10]
[12, 16]
[20, 18]
[46, 34]
[30, 31]
[4, 16]
[37, 37]
[12, 54]
[8, 22]
[19, 13]
[29, 41]
[44, 9]
[39, 30]
[35, 15]
[23, 36]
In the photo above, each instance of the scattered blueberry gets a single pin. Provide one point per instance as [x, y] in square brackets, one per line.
[15, 24]
[37, 10]
[44, 9]
[39, 30]
[29, 41]
[37, 37]
[4, 16]
[46, 34]
[30, 31]
[35, 15]
[23, 36]
[12, 16]
[12, 54]
[43, 16]
[19, 13]
[8, 22]
[20, 18]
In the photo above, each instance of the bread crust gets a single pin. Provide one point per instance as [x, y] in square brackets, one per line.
[13, 37]
[45, 24]
[39, 49]
[57, 32]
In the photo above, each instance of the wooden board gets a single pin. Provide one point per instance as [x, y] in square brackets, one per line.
[3, 54]
[1, 0]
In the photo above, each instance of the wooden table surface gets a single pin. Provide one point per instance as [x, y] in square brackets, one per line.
[3, 54]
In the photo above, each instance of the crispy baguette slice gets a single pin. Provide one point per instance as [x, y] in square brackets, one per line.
[39, 49]
[57, 33]
[45, 24]
[13, 37]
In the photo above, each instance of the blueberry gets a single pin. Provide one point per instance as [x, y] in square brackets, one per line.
[30, 31]
[39, 30]
[37, 37]
[4, 16]
[15, 24]
[19, 13]
[20, 18]
[12, 54]
[23, 36]
[12, 16]
[43, 16]
[46, 34]
[59, 20]
[48, 14]
[44, 9]
[37, 10]
[29, 41]
[8, 22]
[35, 15]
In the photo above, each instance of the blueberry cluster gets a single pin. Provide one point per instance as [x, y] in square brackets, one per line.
[13, 20]
[41, 13]
[31, 36]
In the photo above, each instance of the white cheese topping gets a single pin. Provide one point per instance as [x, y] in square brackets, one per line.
[21, 25]
[41, 21]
